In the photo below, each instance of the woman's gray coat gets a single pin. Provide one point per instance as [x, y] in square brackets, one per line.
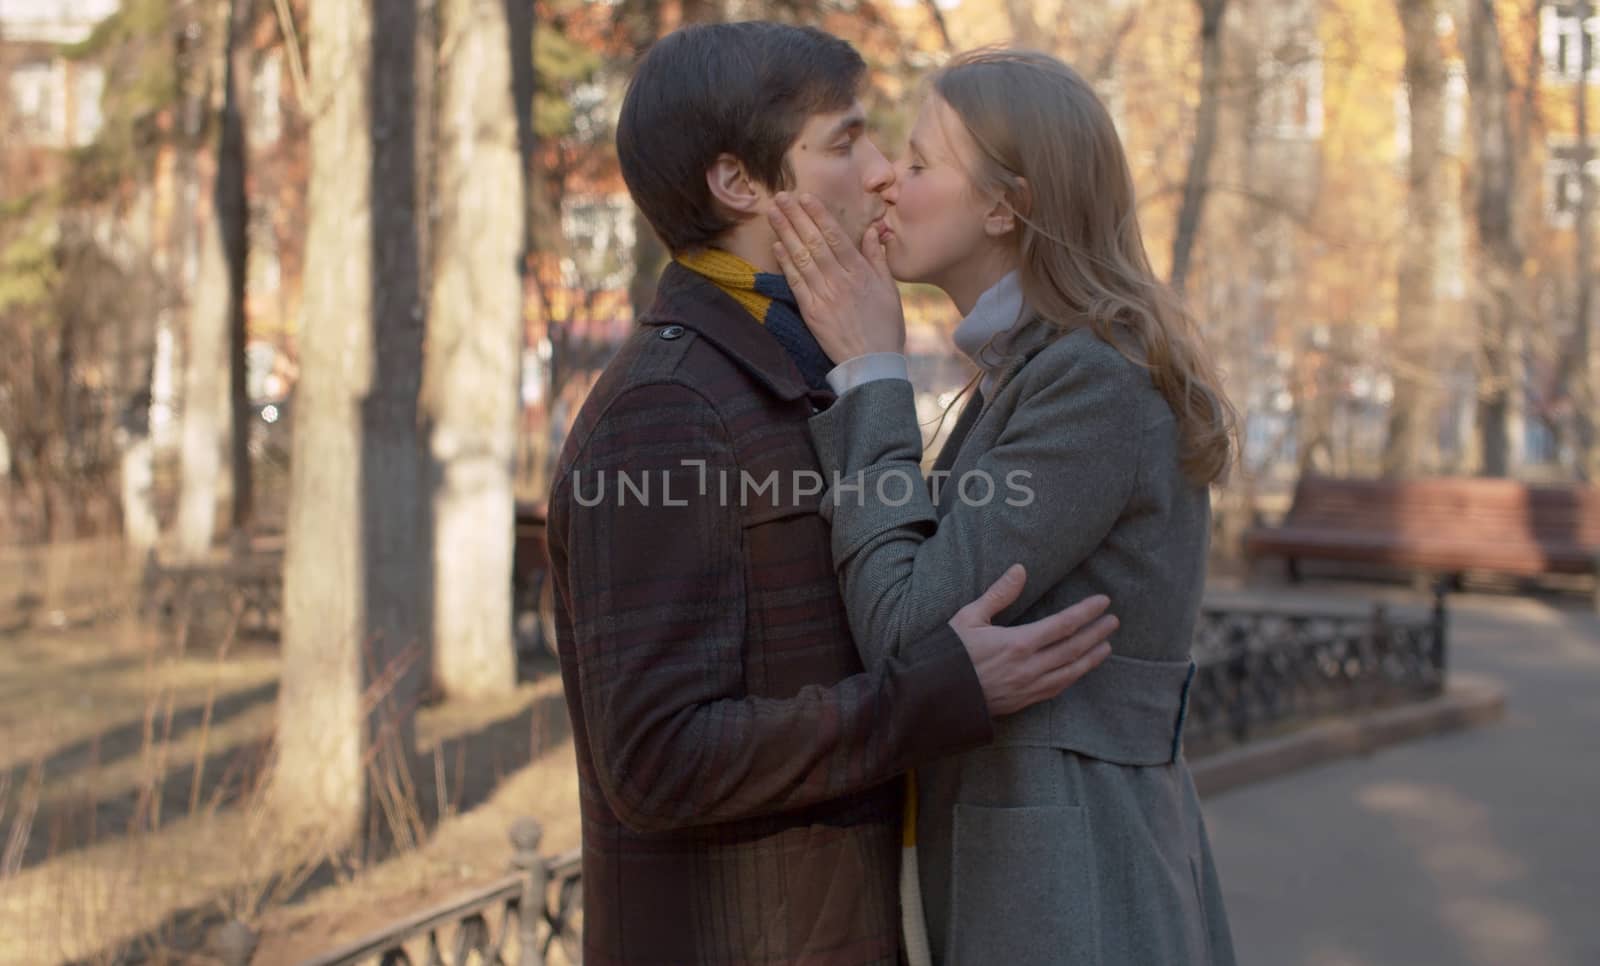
[1076, 837]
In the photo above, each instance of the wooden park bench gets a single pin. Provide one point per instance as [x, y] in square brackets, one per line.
[248, 587]
[1439, 527]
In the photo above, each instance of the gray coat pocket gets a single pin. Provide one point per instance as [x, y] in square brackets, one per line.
[1022, 888]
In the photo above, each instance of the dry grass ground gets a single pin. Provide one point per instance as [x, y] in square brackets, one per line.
[127, 824]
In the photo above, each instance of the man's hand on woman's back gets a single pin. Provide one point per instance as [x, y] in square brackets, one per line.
[1023, 665]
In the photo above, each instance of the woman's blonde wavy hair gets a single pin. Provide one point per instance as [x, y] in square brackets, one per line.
[1048, 146]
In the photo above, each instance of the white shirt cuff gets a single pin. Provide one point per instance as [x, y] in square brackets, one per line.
[868, 368]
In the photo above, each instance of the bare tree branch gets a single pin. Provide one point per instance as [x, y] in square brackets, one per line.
[291, 43]
[1108, 57]
[1205, 139]
[932, 6]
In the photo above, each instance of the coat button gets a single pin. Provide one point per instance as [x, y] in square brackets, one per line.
[672, 332]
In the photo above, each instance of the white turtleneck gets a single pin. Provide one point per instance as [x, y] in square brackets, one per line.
[989, 325]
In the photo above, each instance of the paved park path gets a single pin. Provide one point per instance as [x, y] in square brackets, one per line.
[1479, 847]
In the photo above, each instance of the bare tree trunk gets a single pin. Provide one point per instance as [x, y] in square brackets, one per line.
[233, 215]
[427, 137]
[140, 528]
[474, 348]
[206, 366]
[643, 25]
[204, 402]
[1205, 140]
[1497, 257]
[140, 531]
[649, 258]
[357, 581]
[1583, 376]
[1412, 411]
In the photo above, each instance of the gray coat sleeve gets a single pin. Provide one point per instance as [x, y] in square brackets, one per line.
[1046, 495]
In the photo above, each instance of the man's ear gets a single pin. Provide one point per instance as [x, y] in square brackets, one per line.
[733, 188]
[1002, 217]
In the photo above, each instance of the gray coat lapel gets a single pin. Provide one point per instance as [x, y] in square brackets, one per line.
[1030, 341]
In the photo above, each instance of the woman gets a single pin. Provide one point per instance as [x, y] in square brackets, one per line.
[1086, 452]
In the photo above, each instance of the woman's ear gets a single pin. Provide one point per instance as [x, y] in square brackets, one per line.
[1002, 218]
[732, 187]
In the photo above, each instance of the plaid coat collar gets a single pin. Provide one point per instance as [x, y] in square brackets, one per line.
[687, 298]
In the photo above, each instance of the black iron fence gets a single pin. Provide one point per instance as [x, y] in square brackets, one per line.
[1263, 667]
[535, 910]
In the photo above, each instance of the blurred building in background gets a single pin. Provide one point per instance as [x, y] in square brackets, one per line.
[54, 101]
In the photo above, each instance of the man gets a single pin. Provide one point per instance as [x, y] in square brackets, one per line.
[735, 760]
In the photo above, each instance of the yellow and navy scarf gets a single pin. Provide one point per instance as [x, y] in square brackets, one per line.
[767, 298]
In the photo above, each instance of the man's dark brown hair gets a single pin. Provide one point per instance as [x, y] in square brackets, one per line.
[745, 89]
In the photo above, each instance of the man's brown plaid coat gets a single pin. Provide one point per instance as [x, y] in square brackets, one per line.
[736, 764]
